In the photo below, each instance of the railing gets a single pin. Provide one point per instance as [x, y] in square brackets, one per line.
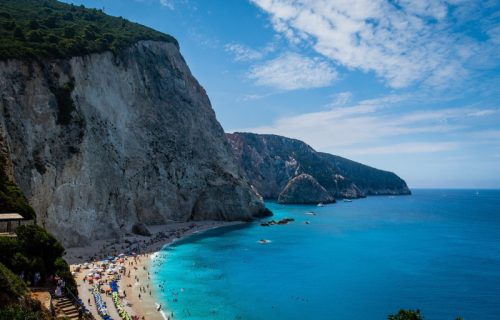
[86, 316]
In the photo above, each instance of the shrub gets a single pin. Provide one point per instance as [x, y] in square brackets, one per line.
[10, 284]
[406, 315]
[20, 312]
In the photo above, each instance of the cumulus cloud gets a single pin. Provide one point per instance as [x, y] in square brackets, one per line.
[292, 71]
[403, 41]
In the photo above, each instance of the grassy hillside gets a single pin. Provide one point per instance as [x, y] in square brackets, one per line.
[51, 29]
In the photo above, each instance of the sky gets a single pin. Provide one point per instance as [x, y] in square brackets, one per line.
[407, 86]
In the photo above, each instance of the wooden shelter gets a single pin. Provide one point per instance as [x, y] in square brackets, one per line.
[7, 220]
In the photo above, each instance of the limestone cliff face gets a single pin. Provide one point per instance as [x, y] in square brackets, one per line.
[102, 141]
[271, 162]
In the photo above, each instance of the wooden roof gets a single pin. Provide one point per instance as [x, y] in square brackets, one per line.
[10, 216]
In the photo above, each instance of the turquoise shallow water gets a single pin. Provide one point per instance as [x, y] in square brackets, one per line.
[437, 250]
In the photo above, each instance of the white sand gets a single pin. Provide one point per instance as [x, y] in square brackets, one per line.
[145, 247]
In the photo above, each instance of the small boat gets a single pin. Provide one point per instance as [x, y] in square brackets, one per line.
[264, 241]
[347, 200]
[307, 222]
[311, 213]
[321, 204]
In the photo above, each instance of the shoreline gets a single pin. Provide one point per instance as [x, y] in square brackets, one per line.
[137, 293]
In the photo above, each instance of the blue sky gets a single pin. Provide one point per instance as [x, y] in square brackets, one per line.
[407, 86]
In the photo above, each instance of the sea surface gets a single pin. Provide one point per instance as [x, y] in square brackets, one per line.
[436, 250]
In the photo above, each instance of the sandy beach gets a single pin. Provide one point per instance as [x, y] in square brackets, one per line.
[136, 292]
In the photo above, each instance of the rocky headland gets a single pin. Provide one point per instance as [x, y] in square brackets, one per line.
[290, 171]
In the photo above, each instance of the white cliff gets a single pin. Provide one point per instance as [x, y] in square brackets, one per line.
[102, 141]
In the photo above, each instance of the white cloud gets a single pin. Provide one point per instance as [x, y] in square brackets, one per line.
[402, 41]
[244, 53]
[292, 71]
[167, 3]
[341, 99]
[366, 128]
[254, 97]
[487, 135]
[414, 147]
[484, 112]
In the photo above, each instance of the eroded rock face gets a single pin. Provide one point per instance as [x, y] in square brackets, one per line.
[141, 229]
[270, 162]
[102, 141]
[304, 189]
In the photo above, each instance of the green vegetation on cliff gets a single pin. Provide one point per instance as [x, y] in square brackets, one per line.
[51, 29]
[34, 250]
[12, 198]
[15, 304]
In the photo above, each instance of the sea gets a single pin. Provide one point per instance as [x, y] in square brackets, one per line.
[437, 251]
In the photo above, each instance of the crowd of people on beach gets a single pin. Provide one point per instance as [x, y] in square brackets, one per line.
[107, 267]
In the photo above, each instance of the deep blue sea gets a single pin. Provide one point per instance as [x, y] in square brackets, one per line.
[436, 250]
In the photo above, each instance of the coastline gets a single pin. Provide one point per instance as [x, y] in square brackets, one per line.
[136, 290]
